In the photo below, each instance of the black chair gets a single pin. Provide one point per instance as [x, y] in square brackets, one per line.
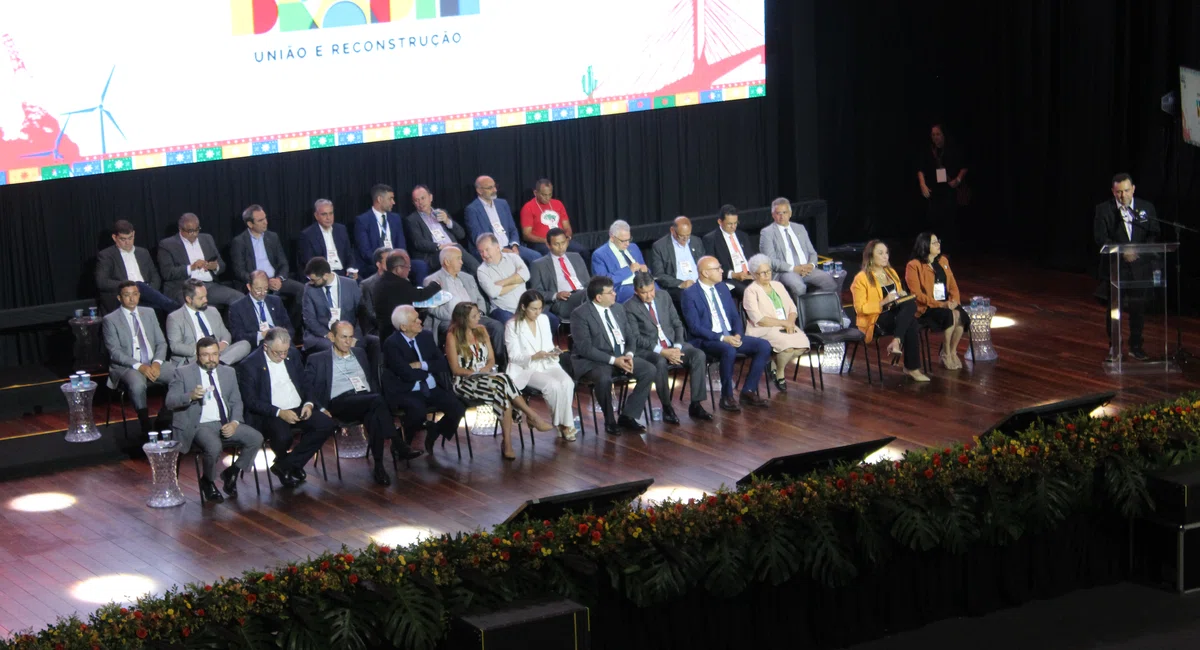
[709, 360]
[926, 351]
[236, 450]
[826, 306]
[621, 381]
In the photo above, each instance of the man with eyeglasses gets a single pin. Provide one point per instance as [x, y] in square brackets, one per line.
[257, 312]
[329, 239]
[713, 320]
[279, 396]
[489, 214]
[193, 254]
[619, 259]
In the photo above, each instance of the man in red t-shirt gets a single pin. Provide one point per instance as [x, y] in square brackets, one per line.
[542, 213]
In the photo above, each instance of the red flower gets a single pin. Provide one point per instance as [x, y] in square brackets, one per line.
[241, 620]
[516, 536]
[83, 627]
[412, 568]
[1058, 435]
[353, 578]
[1154, 412]
[962, 458]
[937, 460]
[583, 529]
[869, 478]
[891, 481]
[946, 451]
[504, 555]
[200, 613]
[841, 484]
[1103, 424]
[186, 631]
[388, 549]
[124, 611]
[495, 541]
[207, 587]
[250, 599]
[590, 517]
[929, 473]
[270, 577]
[1033, 449]
[324, 566]
[595, 535]
[138, 614]
[141, 633]
[853, 476]
[1070, 427]
[737, 519]
[1116, 447]
[1117, 418]
[678, 507]
[549, 534]
[712, 500]
[966, 446]
[745, 498]
[59, 646]
[896, 464]
[537, 546]
[348, 558]
[1179, 409]
[293, 569]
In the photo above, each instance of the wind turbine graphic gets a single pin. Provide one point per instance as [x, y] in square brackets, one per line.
[101, 112]
[57, 141]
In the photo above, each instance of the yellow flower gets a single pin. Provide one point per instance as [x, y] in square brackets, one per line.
[402, 562]
[283, 598]
[637, 532]
[545, 551]
[170, 612]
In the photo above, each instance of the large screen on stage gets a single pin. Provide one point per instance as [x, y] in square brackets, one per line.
[103, 86]
[1189, 94]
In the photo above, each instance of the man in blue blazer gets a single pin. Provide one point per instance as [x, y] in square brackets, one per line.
[328, 298]
[379, 226]
[327, 239]
[277, 394]
[619, 259]
[490, 214]
[713, 320]
[257, 312]
[415, 379]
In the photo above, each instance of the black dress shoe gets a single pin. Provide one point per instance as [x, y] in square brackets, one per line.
[613, 428]
[229, 481]
[405, 452]
[430, 438]
[1139, 354]
[781, 384]
[209, 490]
[753, 399]
[285, 475]
[696, 412]
[668, 415]
[381, 475]
[1113, 355]
[630, 424]
[299, 475]
[730, 404]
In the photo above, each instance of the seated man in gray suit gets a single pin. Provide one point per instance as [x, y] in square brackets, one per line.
[191, 254]
[329, 298]
[465, 289]
[560, 276]
[662, 340]
[605, 344]
[673, 258]
[197, 319]
[257, 248]
[207, 408]
[793, 258]
[137, 352]
[123, 261]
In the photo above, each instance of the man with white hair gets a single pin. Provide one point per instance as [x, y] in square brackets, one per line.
[503, 277]
[619, 259]
[464, 289]
[412, 364]
[793, 258]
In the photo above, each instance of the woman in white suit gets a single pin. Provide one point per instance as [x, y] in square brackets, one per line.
[533, 360]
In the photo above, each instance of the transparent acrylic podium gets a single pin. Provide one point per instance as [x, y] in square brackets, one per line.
[1142, 279]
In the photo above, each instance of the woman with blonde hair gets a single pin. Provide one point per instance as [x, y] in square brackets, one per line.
[883, 307]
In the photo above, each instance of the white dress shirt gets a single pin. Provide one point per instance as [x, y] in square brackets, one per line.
[331, 254]
[716, 310]
[195, 318]
[737, 256]
[209, 412]
[380, 224]
[1127, 216]
[615, 337]
[790, 235]
[283, 392]
[132, 270]
[489, 274]
[194, 253]
[621, 257]
[130, 317]
[563, 284]
[662, 335]
[497, 227]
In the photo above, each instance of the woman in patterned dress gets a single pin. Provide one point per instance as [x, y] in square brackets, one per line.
[473, 365]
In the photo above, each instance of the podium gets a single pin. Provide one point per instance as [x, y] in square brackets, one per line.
[1137, 273]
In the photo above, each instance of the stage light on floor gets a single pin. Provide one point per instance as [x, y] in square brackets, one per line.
[1102, 412]
[42, 502]
[658, 493]
[999, 322]
[399, 536]
[116, 588]
[887, 453]
[259, 462]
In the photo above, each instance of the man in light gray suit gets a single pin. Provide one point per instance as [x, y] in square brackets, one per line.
[465, 289]
[329, 298]
[560, 276]
[793, 258]
[207, 412]
[196, 320]
[605, 344]
[137, 352]
[191, 254]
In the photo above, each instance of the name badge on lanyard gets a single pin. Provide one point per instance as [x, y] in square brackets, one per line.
[939, 291]
[357, 383]
[779, 313]
[685, 267]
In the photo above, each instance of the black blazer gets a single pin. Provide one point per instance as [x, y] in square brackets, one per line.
[255, 381]
[1108, 227]
[393, 291]
[662, 259]
[243, 318]
[241, 255]
[319, 372]
[110, 269]
[591, 347]
[312, 244]
[714, 244]
[638, 314]
[420, 239]
[399, 376]
[173, 261]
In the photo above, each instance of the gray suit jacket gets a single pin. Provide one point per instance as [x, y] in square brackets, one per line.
[662, 259]
[173, 261]
[185, 417]
[241, 254]
[543, 278]
[639, 319]
[182, 336]
[443, 312]
[110, 269]
[772, 244]
[118, 338]
[315, 309]
[591, 348]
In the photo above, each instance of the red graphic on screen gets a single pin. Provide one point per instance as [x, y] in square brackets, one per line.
[720, 39]
[39, 141]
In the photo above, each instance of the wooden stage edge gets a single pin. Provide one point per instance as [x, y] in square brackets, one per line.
[103, 543]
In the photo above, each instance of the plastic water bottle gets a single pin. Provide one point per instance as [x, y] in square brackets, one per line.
[91, 312]
[154, 438]
[837, 267]
[1157, 278]
[75, 381]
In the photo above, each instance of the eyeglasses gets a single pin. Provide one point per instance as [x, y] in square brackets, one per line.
[191, 231]
[624, 241]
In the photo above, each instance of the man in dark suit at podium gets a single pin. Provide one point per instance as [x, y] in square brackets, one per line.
[1123, 221]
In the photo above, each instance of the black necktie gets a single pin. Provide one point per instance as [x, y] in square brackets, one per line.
[203, 325]
[628, 259]
[383, 228]
[328, 297]
[615, 334]
[217, 396]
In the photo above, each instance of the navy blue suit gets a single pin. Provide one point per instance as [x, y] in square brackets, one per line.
[406, 387]
[312, 244]
[699, 320]
[604, 262]
[254, 380]
[244, 318]
[367, 239]
[478, 223]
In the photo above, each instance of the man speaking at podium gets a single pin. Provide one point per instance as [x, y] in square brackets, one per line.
[1122, 221]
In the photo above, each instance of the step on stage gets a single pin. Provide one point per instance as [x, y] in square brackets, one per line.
[77, 537]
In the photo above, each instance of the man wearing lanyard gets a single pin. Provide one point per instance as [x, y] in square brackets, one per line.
[196, 320]
[560, 276]
[660, 340]
[137, 352]
[490, 214]
[431, 231]
[325, 238]
[257, 312]
[379, 226]
[412, 363]
[329, 298]
[673, 258]
[793, 258]
[732, 250]
[619, 259]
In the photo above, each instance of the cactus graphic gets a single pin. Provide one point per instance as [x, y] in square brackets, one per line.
[589, 83]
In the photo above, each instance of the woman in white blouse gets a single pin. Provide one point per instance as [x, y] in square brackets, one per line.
[533, 360]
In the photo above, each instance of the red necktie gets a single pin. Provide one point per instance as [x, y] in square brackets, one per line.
[654, 317]
[738, 249]
[562, 261]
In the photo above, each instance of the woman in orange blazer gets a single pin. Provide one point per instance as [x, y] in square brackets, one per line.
[930, 279]
[884, 308]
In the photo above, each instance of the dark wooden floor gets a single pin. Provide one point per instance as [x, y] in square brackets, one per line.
[1051, 352]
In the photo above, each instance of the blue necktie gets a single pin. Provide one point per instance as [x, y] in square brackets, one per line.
[423, 385]
[328, 297]
[203, 325]
[262, 312]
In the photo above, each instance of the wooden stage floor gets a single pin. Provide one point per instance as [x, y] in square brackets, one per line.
[59, 562]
